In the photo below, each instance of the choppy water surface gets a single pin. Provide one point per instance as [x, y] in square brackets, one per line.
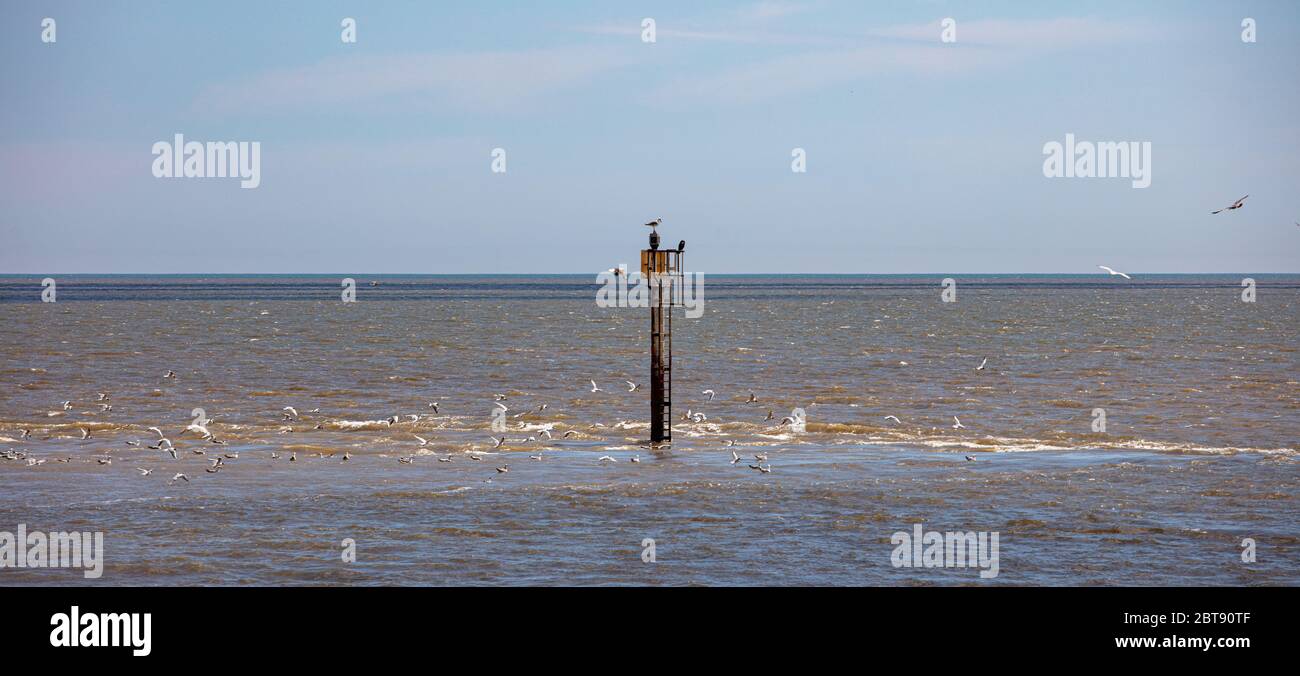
[1200, 451]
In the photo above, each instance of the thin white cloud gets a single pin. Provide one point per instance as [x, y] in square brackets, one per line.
[494, 81]
[815, 70]
[911, 48]
[1038, 34]
[665, 32]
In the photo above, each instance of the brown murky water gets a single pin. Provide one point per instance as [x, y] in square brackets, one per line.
[1199, 391]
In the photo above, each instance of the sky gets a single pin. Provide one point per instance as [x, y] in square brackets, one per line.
[922, 155]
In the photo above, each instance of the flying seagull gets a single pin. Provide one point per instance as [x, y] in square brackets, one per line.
[594, 388]
[631, 386]
[957, 423]
[981, 366]
[710, 393]
[1113, 272]
[1235, 205]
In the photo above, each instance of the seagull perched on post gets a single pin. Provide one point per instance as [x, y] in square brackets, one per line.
[1114, 272]
[1235, 205]
[655, 223]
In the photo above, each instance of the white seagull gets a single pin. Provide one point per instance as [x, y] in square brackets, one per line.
[631, 386]
[198, 429]
[957, 424]
[594, 388]
[981, 366]
[1114, 272]
[710, 393]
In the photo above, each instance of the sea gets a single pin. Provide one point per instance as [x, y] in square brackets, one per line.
[1120, 432]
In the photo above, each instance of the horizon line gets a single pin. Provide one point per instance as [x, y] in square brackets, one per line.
[577, 274]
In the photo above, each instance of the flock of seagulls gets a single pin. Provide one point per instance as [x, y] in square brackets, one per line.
[290, 414]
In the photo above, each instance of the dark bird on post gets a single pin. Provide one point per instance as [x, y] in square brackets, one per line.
[681, 246]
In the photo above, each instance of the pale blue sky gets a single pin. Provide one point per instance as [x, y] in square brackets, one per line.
[922, 156]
